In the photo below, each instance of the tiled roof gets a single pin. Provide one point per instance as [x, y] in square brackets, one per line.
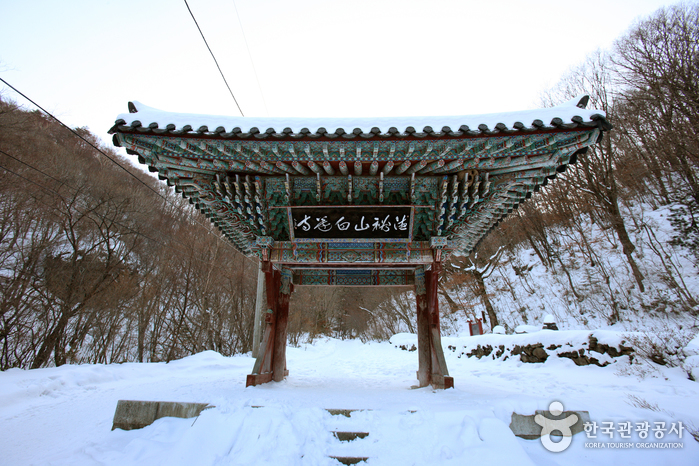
[146, 120]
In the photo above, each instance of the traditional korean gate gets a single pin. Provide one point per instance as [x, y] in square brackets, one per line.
[357, 202]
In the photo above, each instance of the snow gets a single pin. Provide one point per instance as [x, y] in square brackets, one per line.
[692, 348]
[63, 415]
[524, 291]
[527, 328]
[147, 115]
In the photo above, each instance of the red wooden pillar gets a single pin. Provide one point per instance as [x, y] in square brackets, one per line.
[271, 360]
[282, 319]
[432, 369]
[423, 331]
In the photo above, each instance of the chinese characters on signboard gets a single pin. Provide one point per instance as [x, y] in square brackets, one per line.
[348, 222]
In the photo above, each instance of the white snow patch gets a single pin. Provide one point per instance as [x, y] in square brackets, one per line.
[63, 415]
[147, 115]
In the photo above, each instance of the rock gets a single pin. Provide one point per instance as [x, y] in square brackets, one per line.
[500, 351]
[499, 329]
[540, 354]
[132, 414]
[533, 353]
[525, 426]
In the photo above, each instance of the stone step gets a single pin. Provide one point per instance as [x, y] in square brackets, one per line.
[349, 436]
[344, 412]
[350, 459]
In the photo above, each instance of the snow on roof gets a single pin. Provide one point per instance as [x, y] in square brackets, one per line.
[569, 114]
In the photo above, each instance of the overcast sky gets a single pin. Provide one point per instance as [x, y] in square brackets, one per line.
[85, 59]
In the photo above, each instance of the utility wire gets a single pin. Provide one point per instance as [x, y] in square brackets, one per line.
[138, 233]
[81, 137]
[32, 181]
[212, 56]
[33, 168]
[78, 135]
[68, 202]
[254, 70]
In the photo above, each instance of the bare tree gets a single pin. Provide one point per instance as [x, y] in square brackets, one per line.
[595, 174]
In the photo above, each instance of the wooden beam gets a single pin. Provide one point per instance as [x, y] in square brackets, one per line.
[432, 166]
[403, 166]
[358, 165]
[285, 168]
[328, 168]
[418, 166]
[300, 168]
[389, 165]
[314, 166]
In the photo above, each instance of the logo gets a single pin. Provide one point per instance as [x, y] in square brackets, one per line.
[549, 426]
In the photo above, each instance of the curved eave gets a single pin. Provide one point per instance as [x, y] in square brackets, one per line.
[571, 115]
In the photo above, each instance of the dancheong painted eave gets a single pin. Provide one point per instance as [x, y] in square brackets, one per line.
[447, 188]
[570, 115]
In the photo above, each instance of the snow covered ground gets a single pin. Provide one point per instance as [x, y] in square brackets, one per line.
[64, 415]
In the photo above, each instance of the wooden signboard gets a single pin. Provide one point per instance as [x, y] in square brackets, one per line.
[360, 222]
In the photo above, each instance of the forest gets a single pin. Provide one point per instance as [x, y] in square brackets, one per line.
[101, 266]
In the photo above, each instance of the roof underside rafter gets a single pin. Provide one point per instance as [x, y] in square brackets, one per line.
[459, 184]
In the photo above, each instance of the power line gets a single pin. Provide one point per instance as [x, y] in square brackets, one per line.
[81, 137]
[78, 135]
[212, 56]
[68, 202]
[33, 182]
[33, 168]
[254, 70]
[138, 233]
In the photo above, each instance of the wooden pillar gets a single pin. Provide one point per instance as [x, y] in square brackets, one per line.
[282, 319]
[432, 368]
[271, 360]
[260, 309]
[423, 331]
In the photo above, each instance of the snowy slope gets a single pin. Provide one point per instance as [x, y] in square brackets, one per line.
[524, 291]
[63, 415]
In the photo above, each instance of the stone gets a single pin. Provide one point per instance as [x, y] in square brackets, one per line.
[132, 414]
[540, 354]
[524, 426]
[500, 351]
